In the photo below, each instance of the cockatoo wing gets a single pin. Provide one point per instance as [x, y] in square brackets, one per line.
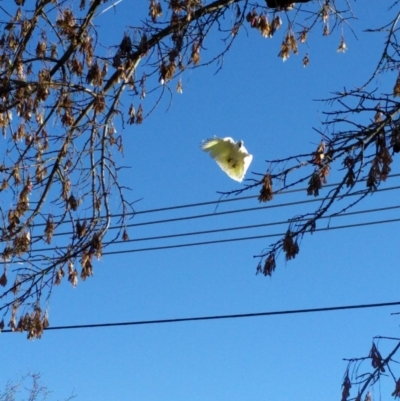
[233, 158]
[218, 146]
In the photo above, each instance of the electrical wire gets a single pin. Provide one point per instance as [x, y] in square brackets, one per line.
[219, 317]
[158, 248]
[228, 229]
[114, 242]
[235, 211]
[248, 227]
[216, 214]
[216, 202]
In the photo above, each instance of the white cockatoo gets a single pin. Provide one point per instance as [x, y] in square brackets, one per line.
[231, 156]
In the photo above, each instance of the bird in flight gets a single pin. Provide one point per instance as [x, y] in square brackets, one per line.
[231, 156]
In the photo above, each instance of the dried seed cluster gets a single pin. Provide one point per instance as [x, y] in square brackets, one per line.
[349, 163]
[268, 267]
[266, 193]
[262, 23]
[319, 177]
[33, 323]
[288, 45]
[346, 387]
[376, 358]
[155, 10]
[290, 247]
[380, 166]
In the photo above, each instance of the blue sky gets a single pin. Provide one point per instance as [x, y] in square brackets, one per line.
[268, 104]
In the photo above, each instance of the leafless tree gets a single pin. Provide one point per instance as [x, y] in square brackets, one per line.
[29, 387]
[61, 93]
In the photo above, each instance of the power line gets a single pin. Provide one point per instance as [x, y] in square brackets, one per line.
[236, 228]
[216, 214]
[220, 317]
[158, 248]
[216, 202]
[199, 216]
